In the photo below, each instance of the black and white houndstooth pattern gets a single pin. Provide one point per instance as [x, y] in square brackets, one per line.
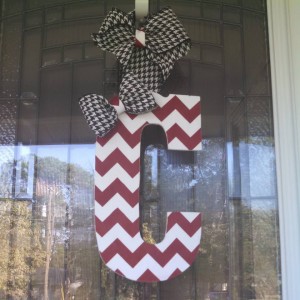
[144, 68]
[99, 114]
[166, 42]
[135, 97]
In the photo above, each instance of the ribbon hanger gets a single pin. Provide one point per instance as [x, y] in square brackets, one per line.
[141, 11]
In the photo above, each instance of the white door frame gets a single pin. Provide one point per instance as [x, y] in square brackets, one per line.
[284, 37]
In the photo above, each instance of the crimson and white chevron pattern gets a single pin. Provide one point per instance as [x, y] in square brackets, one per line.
[117, 180]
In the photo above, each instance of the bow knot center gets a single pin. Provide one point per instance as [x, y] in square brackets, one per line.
[140, 38]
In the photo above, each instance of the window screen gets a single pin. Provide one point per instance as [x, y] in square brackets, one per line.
[47, 237]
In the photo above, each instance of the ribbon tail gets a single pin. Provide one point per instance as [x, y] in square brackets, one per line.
[99, 114]
[135, 96]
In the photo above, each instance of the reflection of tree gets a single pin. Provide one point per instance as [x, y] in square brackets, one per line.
[265, 250]
[190, 181]
[58, 183]
[6, 174]
[210, 198]
[35, 235]
[18, 242]
[49, 235]
[49, 245]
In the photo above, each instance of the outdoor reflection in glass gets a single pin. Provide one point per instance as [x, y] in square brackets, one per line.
[48, 224]
[239, 232]
[47, 156]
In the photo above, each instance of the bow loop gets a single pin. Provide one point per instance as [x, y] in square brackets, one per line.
[102, 116]
[165, 42]
[145, 68]
[99, 114]
[117, 18]
[164, 31]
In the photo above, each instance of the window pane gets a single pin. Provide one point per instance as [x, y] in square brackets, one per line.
[10, 57]
[47, 154]
[31, 62]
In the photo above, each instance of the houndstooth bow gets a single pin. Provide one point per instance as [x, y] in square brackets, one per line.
[166, 42]
[144, 68]
[101, 116]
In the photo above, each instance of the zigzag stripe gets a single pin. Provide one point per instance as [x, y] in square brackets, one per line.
[148, 276]
[133, 136]
[116, 202]
[162, 258]
[116, 187]
[117, 172]
[117, 179]
[190, 241]
[174, 118]
[130, 143]
[132, 228]
[188, 101]
[121, 129]
[162, 273]
[118, 232]
[189, 216]
[117, 158]
[189, 142]
[134, 241]
[189, 108]
[117, 143]
[189, 227]
[176, 104]
[117, 210]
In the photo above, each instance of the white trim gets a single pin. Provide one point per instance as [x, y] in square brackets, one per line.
[141, 9]
[283, 19]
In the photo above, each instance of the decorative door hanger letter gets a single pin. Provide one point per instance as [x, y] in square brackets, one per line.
[147, 56]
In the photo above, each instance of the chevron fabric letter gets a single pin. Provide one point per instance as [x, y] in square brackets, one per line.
[117, 180]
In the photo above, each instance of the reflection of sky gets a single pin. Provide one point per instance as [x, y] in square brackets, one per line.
[261, 177]
[6, 154]
[83, 154]
[154, 166]
[257, 170]
[80, 154]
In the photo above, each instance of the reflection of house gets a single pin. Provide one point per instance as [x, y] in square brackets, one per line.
[48, 61]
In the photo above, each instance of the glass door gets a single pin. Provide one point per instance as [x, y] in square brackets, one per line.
[47, 154]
